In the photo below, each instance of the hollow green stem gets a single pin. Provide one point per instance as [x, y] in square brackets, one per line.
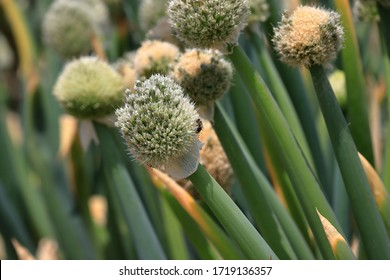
[231, 217]
[281, 96]
[372, 229]
[191, 229]
[304, 181]
[147, 243]
[258, 191]
[356, 88]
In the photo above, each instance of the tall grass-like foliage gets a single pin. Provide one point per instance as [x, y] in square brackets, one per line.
[194, 130]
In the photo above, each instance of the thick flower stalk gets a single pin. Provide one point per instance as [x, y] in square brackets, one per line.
[308, 37]
[214, 159]
[159, 124]
[312, 37]
[209, 23]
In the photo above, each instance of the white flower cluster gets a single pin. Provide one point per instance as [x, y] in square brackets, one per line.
[208, 23]
[159, 125]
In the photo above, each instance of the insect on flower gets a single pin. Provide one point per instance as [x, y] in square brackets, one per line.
[199, 126]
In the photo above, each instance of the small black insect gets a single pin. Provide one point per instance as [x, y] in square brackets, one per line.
[199, 125]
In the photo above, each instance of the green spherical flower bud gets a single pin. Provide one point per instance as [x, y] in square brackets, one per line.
[208, 23]
[259, 10]
[89, 88]
[68, 27]
[204, 74]
[365, 10]
[150, 12]
[159, 125]
[309, 36]
[155, 57]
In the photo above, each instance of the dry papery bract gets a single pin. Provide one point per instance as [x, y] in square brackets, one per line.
[214, 159]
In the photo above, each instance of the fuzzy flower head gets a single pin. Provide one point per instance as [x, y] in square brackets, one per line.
[259, 10]
[309, 36]
[159, 125]
[204, 74]
[89, 88]
[365, 10]
[208, 23]
[150, 12]
[68, 27]
[101, 14]
[155, 57]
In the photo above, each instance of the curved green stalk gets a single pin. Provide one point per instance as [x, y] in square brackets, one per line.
[260, 209]
[175, 239]
[247, 124]
[196, 221]
[71, 232]
[11, 222]
[147, 244]
[281, 96]
[304, 181]
[274, 221]
[368, 219]
[197, 238]
[245, 120]
[298, 93]
[231, 217]
[355, 82]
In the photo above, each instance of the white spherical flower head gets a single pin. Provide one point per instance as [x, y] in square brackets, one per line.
[208, 23]
[159, 125]
[310, 36]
